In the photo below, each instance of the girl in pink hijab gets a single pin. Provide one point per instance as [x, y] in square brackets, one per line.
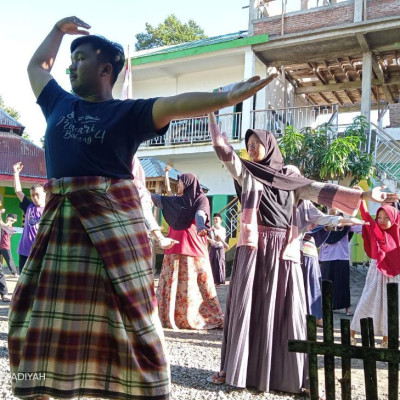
[382, 245]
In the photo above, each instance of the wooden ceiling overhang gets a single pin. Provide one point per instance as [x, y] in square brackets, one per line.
[325, 65]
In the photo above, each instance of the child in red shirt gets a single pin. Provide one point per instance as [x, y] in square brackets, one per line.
[5, 251]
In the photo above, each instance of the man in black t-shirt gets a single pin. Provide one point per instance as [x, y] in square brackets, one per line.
[86, 294]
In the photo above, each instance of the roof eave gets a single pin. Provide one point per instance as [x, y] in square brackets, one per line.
[170, 55]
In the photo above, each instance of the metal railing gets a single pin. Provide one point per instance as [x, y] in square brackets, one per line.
[195, 130]
[230, 218]
[275, 120]
[384, 148]
[265, 10]
[386, 152]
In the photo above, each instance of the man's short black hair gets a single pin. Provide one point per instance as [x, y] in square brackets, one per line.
[217, 215]
[37, 185]
[110, 52]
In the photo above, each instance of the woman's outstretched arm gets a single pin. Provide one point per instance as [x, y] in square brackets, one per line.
[224, 150]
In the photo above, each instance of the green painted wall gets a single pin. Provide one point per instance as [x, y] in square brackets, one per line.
[219, 201]
[357, 249]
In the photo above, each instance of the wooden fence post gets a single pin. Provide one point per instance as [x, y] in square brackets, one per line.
[346, 361]
[368, 353]
[329, 360]
[368, 341]
[393, 340]
[313, 358]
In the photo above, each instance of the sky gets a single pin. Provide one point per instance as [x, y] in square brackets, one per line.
[25, 23]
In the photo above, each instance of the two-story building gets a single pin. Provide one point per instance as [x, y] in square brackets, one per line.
[334, 57]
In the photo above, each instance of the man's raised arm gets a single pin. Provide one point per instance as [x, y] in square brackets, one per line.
[43, 59]
[193, 104]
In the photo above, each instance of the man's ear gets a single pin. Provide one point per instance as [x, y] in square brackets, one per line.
[107, 69]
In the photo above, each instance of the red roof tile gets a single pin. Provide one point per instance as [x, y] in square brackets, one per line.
[8, 121]
[14, 148]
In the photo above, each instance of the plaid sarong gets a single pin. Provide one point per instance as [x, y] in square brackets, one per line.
[83, 319]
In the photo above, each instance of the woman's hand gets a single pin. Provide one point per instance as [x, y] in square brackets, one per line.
[203, 232]
[352, 221]
[211, 118]
[379, 196]
[166, 243]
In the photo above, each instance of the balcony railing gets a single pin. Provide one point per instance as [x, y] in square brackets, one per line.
[275, 120]
[230, 217]
[274, 8]
[195, 130]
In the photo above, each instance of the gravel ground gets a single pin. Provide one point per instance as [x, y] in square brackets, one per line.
[195, 355]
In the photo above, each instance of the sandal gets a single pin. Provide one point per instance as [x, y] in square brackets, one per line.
[349, 313]
[5, 299]
[217, 379]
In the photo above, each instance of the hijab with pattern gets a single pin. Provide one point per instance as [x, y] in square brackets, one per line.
[384, 242]
[179, 211]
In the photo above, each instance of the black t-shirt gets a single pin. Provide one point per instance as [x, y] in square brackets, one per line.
[275, 208]
[93, 139]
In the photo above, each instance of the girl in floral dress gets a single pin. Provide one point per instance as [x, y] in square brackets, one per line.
[187, 298]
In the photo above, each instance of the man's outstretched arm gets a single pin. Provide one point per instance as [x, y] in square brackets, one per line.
[43, 59]
[193, 104]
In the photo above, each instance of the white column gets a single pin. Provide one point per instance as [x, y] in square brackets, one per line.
[366, 85]
[249, 71]
[252, 16]
[358, 10]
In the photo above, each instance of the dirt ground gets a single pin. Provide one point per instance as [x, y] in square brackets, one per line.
[357, 280]
[195, 354]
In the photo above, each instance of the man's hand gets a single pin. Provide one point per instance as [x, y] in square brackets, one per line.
[72, 25]
[243, 90]
[17, 167]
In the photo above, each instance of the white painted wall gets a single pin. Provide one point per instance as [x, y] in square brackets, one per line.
[201, 159]
[204, 81]
[209, 170]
